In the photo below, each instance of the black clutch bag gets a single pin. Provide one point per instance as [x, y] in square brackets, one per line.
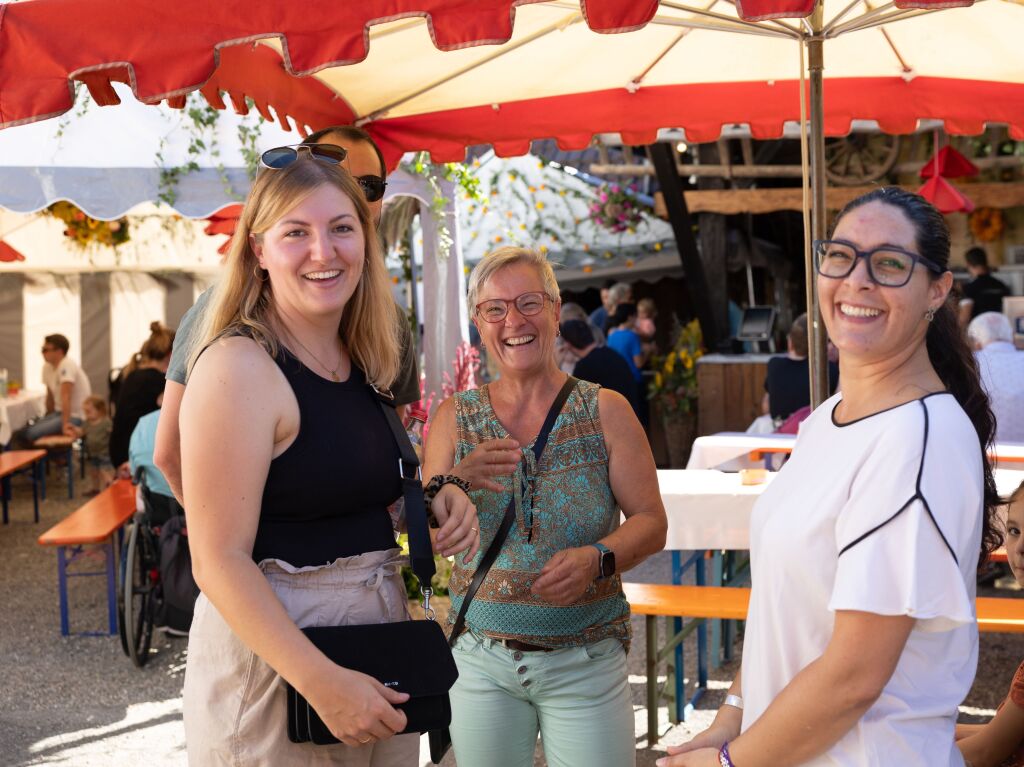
[409, 656]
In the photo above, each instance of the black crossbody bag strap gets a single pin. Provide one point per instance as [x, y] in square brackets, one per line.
[510, 512]
[421, 554]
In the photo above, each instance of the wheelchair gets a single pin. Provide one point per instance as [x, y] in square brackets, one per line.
[140, 596]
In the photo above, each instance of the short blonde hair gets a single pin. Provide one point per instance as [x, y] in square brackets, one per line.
[498, 259]
[243, 301]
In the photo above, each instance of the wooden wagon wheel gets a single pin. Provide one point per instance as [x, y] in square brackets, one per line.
[860, 158]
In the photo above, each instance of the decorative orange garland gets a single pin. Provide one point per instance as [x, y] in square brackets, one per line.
[987, 224]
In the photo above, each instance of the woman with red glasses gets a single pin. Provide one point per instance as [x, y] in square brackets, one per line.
[289, 467]
[543, 646]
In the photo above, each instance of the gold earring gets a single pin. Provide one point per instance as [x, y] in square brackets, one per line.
[930, 314]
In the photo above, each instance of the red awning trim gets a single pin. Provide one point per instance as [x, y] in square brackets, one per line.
[702, 110]
[147, 45]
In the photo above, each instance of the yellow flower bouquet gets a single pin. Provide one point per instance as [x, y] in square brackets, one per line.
[674, 387]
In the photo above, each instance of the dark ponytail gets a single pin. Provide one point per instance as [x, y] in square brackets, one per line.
[948, 349]
[956, 366]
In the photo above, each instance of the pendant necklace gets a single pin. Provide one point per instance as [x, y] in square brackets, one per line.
[333, 373]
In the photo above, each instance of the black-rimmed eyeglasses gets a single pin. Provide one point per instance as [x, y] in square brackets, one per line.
[888, 266]
[527, 304]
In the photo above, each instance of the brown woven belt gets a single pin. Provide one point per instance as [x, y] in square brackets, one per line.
[515, 644]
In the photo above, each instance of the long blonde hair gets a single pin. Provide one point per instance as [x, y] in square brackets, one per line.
[243, 301]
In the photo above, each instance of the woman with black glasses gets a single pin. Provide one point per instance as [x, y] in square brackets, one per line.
[543, 643]
[861, 639]
[289, 467]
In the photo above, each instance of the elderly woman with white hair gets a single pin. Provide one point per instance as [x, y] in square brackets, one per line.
[1002, 372]
[548, 626]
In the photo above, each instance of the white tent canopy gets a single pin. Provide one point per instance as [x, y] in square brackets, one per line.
[103, 299]
[105, 159]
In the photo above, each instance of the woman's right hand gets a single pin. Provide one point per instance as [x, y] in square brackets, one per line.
[493, 458]
[357, 708]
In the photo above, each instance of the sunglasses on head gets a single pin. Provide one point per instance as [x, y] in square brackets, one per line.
[283, 156]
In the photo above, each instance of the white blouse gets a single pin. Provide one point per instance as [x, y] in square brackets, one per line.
[880, 515]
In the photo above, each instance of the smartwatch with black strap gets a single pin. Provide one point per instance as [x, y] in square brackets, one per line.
[605, 561]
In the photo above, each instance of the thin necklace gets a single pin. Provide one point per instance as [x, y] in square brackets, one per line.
[334, 373]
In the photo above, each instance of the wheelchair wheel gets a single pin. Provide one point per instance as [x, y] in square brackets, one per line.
[122, 563]
[140, 583]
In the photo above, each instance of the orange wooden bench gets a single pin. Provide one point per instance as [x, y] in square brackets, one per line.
[95, 522]
[13, 461]
[653, 600]
[60, 443]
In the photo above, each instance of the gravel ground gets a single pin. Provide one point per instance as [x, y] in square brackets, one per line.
[79, 700]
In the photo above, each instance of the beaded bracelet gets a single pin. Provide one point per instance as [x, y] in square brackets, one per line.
[440, 480]
[723, 756]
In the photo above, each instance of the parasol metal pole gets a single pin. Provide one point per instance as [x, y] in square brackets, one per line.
[818, 347]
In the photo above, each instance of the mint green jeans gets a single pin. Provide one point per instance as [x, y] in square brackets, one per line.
[577, 698]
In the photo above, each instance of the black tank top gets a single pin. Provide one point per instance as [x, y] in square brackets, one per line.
[327, 495]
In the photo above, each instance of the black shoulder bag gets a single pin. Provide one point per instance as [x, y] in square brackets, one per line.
[408, 656]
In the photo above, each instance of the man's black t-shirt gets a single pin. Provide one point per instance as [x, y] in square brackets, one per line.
[789, 387]
[609, 369]
[987, 293]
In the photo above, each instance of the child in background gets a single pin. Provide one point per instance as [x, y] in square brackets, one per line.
[644, 327]
[1000, 742]
[645, 314]
[95, 432]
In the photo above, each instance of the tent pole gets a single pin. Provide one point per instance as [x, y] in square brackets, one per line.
[817, 348]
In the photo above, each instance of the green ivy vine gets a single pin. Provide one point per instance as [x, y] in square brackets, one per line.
[199, 120]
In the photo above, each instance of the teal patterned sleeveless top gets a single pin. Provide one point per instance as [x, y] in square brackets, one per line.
[568, 502]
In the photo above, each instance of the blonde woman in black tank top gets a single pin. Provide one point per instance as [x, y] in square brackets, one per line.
[288, 468]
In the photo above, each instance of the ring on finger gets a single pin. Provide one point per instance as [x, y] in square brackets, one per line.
[365, 740]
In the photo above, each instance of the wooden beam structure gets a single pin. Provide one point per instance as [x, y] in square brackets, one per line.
[733, 201]
[662, 157]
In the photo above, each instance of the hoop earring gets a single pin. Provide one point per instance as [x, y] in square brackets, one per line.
[930, 314]
[260, 273]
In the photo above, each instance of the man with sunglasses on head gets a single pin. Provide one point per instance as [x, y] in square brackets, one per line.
[363, 159]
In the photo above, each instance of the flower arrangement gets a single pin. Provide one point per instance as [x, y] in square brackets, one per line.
[85, 231]
[675, 379]
[616, 209]
[986, 224]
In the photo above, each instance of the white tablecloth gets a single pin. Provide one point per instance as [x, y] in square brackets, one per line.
[711, 509]
[733, 447]
[15, 412]
[707, 509]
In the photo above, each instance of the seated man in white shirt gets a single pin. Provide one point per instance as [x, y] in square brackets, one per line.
[1002, 373]
[67, 386]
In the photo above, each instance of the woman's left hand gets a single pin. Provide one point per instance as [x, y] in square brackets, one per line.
[567, 575]
[705, 757]
[459, 526]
